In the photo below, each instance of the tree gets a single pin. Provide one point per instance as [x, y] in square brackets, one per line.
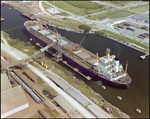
[85, 28]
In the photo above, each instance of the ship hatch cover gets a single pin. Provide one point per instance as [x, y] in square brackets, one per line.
[93, 62]
[35, 28]
[83, 55]
[63, 42]
[44, 32]
[52, 37]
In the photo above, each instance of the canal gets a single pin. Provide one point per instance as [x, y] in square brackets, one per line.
[137, 96]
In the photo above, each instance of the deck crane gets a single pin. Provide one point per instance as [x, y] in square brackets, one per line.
[23, 62]
[78, 45]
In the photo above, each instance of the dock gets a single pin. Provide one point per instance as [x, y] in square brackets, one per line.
[2, 19]
[29, 16]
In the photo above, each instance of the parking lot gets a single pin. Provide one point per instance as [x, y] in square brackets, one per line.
[134, 30]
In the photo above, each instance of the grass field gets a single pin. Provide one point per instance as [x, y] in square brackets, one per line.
[45, 5]
[119, 14]
[121, 3]
[76, 8]
[111, 14]
[143, 8]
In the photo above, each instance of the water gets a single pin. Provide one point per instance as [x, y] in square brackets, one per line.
[137, 96]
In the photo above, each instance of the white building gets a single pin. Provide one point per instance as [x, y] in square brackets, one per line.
[13, 100]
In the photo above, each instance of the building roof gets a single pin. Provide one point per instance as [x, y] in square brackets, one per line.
[74, 115]
[5, 83]
[95, 111]
[59, 82]
[12, 101]
[78, 96]
[64, 104]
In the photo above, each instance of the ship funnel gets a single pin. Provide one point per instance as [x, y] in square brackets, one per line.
[126, 66]
[107, 53]
[116, 65]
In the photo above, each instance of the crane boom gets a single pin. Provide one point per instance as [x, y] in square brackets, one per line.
[41, 50]
[25, 60]
[82, 40]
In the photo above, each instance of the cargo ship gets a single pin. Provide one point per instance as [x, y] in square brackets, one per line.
[106, 69]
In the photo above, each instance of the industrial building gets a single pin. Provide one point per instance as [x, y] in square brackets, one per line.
[141, 17]
[13, 100]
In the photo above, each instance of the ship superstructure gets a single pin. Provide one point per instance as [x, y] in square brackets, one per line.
[106, 69]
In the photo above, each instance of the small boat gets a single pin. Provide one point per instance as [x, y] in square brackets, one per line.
[142, 57]
[103, 87]
[138, 110]
[119, 97]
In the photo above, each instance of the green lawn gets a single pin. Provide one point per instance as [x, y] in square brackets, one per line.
[143, 8]
[119, 14]
[111, 14]
[76, 7]
[45, 5]
[120, 3]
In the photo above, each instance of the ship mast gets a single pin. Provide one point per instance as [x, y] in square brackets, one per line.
[41, 27]
[107, 53]
[96, 56]
[126, 66]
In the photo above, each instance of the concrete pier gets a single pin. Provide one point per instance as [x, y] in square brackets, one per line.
[29, 16]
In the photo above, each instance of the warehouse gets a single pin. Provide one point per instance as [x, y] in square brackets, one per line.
[141, 17]
[13, 99]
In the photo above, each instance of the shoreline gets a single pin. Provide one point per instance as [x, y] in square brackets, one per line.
[72, 30]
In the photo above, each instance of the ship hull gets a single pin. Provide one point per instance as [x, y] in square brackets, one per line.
[86, 72]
